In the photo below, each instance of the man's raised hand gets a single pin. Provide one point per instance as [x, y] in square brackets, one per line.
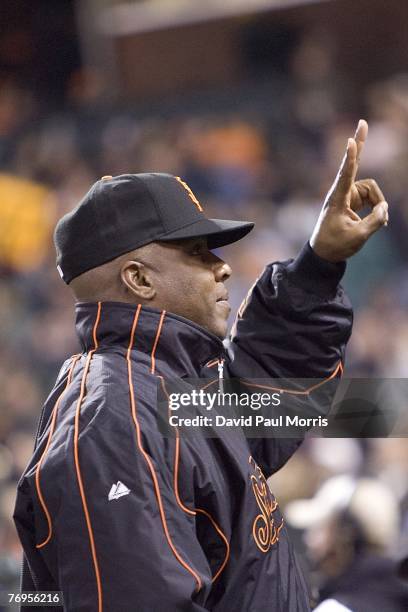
[340, 232]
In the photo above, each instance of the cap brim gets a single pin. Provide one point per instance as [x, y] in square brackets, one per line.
[218, 231]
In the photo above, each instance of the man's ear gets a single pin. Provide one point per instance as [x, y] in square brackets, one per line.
[137, 279]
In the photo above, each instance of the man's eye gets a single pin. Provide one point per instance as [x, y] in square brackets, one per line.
[197, 249]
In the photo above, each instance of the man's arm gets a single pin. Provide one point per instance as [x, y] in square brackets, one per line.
[294, 323]
[296, 319]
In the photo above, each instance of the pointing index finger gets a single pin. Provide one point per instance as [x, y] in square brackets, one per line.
[345, 177]
[361, 136]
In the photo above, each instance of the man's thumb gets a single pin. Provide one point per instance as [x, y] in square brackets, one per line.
[376, 219]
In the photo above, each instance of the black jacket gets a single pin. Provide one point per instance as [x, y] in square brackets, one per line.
[190, 525]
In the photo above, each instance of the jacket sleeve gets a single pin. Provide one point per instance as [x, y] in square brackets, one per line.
[294, 323]
[35, 575]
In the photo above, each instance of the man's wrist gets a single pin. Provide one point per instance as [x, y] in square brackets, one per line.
[315, 274]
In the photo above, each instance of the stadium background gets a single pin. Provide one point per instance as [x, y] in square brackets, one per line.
[251, 103]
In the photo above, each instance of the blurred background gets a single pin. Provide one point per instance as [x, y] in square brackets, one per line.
[251, 103]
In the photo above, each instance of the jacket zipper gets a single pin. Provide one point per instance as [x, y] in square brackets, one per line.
[221, 375]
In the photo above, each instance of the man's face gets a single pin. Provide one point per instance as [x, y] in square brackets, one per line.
[189, 281]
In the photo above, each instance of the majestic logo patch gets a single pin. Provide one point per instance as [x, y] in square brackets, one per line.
[190, 193]
[264, 529]
[118, 490]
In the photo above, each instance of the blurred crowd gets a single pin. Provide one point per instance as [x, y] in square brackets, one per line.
[265, 153]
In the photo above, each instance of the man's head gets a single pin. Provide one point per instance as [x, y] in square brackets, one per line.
[144, 238]
[183, 277]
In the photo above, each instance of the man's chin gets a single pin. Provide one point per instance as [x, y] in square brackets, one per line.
[224, 310]
[216, 325]
[219, 328]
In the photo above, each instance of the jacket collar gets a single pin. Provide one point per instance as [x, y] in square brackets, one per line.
[182, 344]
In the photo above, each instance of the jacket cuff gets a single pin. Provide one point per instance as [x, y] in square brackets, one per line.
[315, 274]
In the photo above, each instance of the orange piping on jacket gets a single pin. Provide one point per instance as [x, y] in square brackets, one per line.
[52, 427]
[156, 340]
[214, 380]
[76, 458]
[339, 368]
[200, 510]
[146, 456]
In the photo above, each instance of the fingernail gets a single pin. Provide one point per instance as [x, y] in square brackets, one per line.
[349, 141]
[385, 213]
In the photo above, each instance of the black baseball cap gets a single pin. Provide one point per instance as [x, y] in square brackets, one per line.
[122, 213]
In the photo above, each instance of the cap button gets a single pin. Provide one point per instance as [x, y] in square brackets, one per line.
[106, 177]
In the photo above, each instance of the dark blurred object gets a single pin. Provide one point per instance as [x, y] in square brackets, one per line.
[369, 584]
[351, 526]
[39, 46]
[267, 46]
[403, 569]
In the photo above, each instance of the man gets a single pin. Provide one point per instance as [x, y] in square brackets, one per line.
[110, 511]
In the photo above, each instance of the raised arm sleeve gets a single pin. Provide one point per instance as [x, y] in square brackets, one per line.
[294, 323]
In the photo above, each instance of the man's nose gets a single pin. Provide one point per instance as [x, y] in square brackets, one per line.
[222, 271]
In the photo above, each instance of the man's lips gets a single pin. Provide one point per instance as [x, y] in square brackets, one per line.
[223, 300]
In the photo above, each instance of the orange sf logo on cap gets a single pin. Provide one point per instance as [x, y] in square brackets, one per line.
[190, 193]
